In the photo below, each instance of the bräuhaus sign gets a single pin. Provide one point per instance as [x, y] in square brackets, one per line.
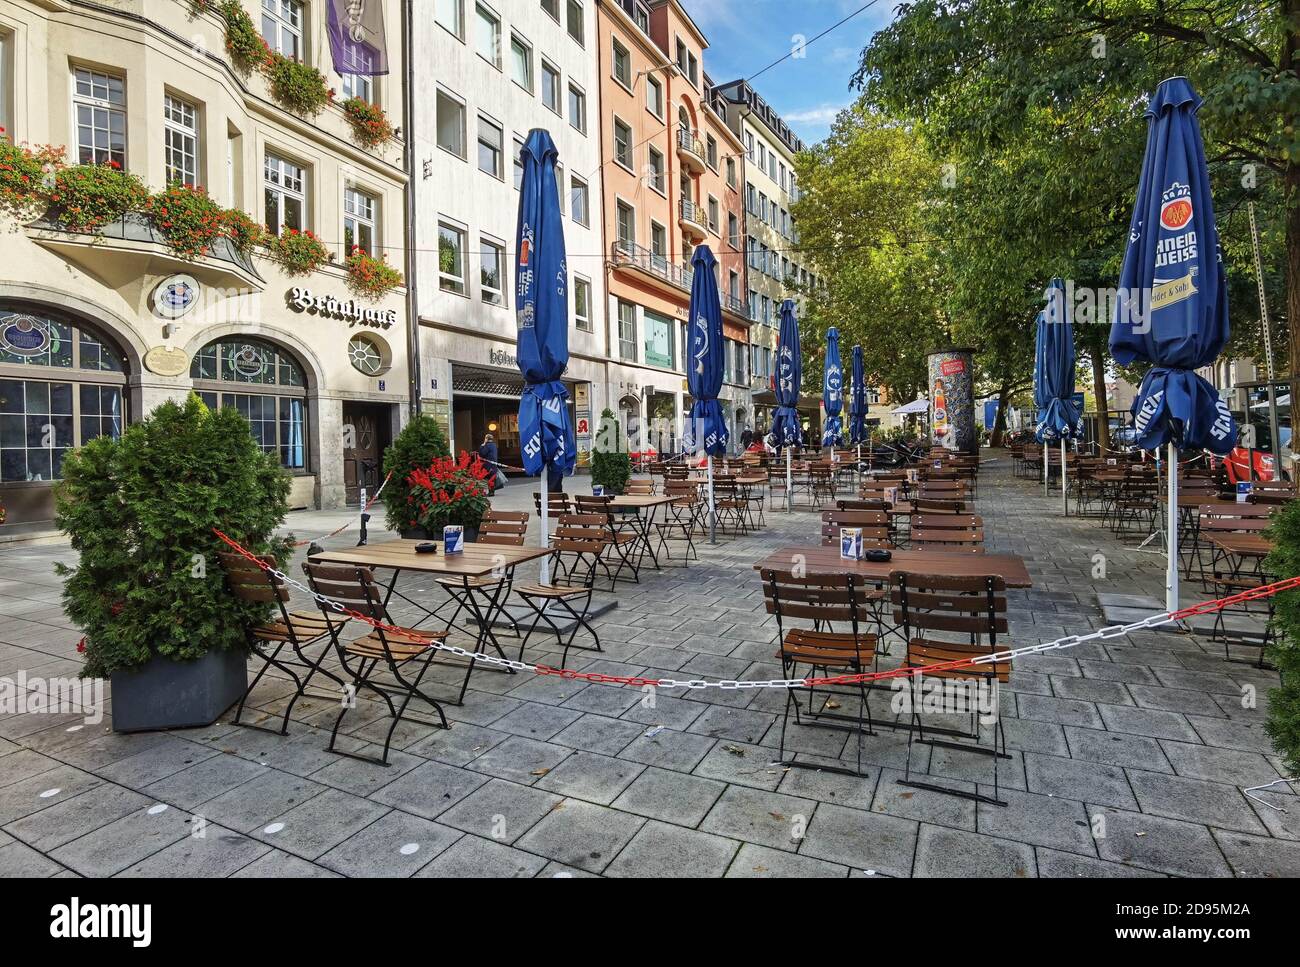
[348, 310]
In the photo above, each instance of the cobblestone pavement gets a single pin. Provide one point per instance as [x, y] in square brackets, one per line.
[1128, 758]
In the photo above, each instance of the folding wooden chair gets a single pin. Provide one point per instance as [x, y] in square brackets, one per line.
[284, 628]
[680, 519]
[591, 538]
[640, 488]
[822, 599]
[387, 649]
[973, 611]
[502, 527]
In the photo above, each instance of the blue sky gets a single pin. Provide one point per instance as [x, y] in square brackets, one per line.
[747, 35]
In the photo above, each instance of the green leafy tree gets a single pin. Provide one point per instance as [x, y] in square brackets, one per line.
[140, 512]
[415, 448]
[1283, 724]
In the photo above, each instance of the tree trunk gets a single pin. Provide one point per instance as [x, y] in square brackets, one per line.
[1000, 421]
[1098, 353]
[1291, 192]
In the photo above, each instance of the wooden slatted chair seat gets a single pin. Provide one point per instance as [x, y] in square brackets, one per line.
[402, 649]
[828, 649]
[945, 521]
[926, 653]
[307, 628]
[550, 591]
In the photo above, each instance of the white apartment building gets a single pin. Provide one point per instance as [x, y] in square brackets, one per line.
[486, 73]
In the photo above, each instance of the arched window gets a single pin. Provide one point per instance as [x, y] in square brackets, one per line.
[266, 385]
[684, 119]
[61, 385]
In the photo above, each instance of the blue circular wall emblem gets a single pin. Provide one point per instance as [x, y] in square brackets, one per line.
[175, 296]
[24, 335]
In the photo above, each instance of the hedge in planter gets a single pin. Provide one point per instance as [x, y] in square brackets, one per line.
[140, 512]
[416, 447]
[609, 468]
[1283, 723]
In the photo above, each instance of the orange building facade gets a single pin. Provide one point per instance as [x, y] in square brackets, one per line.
[672, 180]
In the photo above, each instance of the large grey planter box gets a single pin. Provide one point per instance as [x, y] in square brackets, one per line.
[167, 694]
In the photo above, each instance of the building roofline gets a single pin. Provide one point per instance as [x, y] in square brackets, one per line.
[742, 93]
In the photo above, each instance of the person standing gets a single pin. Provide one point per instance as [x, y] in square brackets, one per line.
[488, 453]
[746, 437]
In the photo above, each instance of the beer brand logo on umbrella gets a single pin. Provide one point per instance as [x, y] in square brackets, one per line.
[1176, 207]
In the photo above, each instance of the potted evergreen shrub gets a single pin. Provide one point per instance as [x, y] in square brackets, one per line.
[1283, 722]
[415, 448]
[450, 492]
[148, 591]
[611, 466]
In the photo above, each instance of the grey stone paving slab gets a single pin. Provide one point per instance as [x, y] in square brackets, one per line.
[746, 765]
[1129, 751]
[581, 834]
[1063, 711]
[261, 800]
[862, 840]
[595, 778]
[66, 820]
[955, 853]
[279, 864]
[598, 733]
[755, 816]
[458, 745]
[1039, 821]
[664, 850]
[430, 789]
[1259, 856]
[500, 810]
[1080, 780]
[322, 822]
[670, 796]
[1234, 766]
[656, 746]
[192, 787]
[1054, 863]
[1155, 723]
[759, 862]
[1197, 801]
[43, 790]
[1164, 845]
[123, 842]
[395, 845]
[218, 853]
[19, 860]
[520, 759]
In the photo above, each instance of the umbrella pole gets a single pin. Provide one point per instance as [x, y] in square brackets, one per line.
[1065, 501]
[1171, 574]
[789, 481]
[1046, 475]
[546, 542]
[713, 508]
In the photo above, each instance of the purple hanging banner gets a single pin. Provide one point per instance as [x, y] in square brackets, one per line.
[357, 41]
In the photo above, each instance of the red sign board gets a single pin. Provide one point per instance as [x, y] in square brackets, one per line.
[952, 367]
[584, 426]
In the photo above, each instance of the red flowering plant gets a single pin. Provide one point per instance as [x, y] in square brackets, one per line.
[370, 276]
[85, 198]
[449, 491]
[301, 253]
[189, 219]
[242, 231]
[370, 124]
[25, 174]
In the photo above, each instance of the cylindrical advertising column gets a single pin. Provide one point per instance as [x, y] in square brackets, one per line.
[952, 401]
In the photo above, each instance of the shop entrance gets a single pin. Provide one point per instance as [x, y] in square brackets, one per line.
[486, 400]
[366, 433]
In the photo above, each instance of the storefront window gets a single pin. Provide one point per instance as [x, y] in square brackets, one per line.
[60, 387]
[658, 340]
[277, 417]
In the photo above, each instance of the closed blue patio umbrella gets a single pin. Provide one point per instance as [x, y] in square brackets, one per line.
[707, 429]
[1058, 414]
[1173, 300]
[858, 403]
[541, 301]
[789, 372]
[833, 390]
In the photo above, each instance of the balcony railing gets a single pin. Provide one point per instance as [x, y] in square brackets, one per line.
[638, 257]
[689, 143]
[691, 212]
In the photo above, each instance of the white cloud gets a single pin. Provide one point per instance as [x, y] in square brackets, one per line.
[822, 114]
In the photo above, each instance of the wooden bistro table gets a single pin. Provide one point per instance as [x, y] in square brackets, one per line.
[825, 559]
[475, 561]
[1241, 548]
[643, 508]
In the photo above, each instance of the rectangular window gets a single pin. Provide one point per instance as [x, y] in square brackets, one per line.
[582, 303]
[487, 35]
[654, 96]
[713, 214]
[626, 223]
[655, 169]
[553, 8]
[521, 63]
[622, 65]
[622, 144]
[285, 185]
[578, 108]
[733, 285]
[551, 87]
[626, 331]
[733, 230]
[574, 22]
[492, 272]
[451, 15]
[99, 109]
[180, 141]
[559, 186]
[490, 138]
[578, 200]
[519, 162]
[451, 124]
[731, 172]
[660, 334]
[711, 151]
[282, 27]
[451, 258]
[358, 221]
[659, 245]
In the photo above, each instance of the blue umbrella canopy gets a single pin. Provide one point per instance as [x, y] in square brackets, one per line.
[1058, 413]
[541, 300]
[833, 391]
[789, 371]
[704, 369]
[858, 400]
[1173, 299]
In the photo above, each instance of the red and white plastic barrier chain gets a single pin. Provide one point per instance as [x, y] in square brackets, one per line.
[993, 658]
[344, 526]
